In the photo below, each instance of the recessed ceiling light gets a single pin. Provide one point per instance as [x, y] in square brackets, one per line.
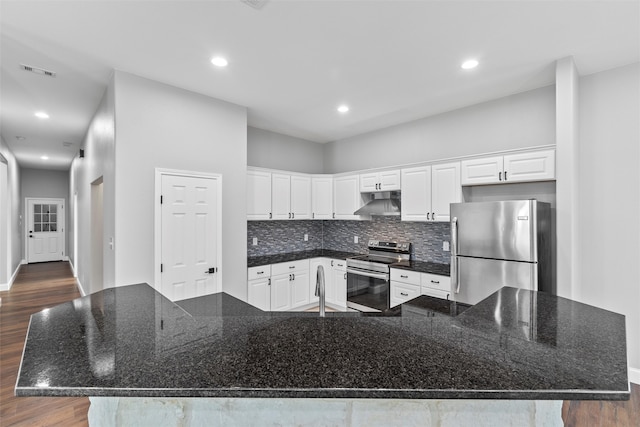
[343, 108]
[219, 61]
[469, 64]
[41, 115]
[45, 157]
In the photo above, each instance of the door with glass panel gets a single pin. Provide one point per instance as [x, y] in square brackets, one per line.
[45, 230]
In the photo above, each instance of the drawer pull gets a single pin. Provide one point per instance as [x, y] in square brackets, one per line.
[404, 277]
[437, 282]
[292, 266]
[260, 272]
[404, 294]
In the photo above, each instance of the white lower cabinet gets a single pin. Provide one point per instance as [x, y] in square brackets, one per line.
[284, 287]
[406, 285]
[337, 294]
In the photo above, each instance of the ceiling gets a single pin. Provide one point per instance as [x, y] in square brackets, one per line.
[291, 63]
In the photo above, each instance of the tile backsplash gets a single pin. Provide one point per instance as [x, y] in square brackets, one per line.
[276, 237]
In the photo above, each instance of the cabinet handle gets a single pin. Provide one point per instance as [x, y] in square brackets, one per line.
[433, 216]
[270, 215]
[260, 272]
[340, 265]
[499, 176]
[505, 175]
[313, 215]
[334, 215]
[331, 263]
[428, 216]
[345, 276]
[293, 215]
[294, 276]
[404, 277]
[437, 282]
[269, 282]
[292, 266]
[404, 294]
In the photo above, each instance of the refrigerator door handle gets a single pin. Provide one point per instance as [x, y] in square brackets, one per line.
[455, 282]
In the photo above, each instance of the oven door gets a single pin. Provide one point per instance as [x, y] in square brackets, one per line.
[367, 290]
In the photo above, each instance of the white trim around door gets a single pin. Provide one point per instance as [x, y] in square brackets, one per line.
[45, 229]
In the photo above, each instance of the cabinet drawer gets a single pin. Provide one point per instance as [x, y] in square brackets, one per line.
[259, 272]
[403, 292]
[289, 267]
[405, 276]
[339, 264]
[435, 293]
[434, 281]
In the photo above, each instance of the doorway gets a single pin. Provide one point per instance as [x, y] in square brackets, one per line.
[97, 237]
[188, 234]
[45, 237]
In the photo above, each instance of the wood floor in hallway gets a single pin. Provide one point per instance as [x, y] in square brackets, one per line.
[39, 286]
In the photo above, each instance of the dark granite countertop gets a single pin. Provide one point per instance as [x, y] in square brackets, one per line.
[516, 344]
[296, 256]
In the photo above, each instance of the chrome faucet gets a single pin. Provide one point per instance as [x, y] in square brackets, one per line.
[320, 288]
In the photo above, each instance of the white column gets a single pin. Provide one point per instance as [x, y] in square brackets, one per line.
[567, 167]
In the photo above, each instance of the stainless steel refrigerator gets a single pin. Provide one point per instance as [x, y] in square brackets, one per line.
[496, 244]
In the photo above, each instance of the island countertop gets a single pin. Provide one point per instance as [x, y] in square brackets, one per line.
[516, 344]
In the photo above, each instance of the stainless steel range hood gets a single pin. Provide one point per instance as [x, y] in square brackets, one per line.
[382, 204]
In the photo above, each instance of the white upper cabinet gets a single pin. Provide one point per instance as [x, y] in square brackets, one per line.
[281, 196]
[535, 166]
[258, 195]
[300, 197]
[520, 167]
[415, 196]
[486, 170]
[445, 189]
[322, 197]
[427, 191]
[346, 197]
[380, 181]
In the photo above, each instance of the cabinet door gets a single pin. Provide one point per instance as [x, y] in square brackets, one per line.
[281, 196]
[346, 197]
[339, 296]
[369, 182]
[281, 292]
[322, 197]
[445, 189]
[259, 294]
[300, 197]
[389, 180]
[416, 193]
[300, 289]
[487, 170]
[535, 166]
[258, 195]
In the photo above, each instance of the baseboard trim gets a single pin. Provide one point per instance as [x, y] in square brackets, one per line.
[7, 286]
[80, 288]
[634, 375]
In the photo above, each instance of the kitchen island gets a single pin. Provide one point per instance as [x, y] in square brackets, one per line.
[140, 356]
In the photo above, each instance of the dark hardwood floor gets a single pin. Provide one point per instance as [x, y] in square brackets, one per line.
[38, 286]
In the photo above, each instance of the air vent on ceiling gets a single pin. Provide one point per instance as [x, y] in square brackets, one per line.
[256, 4]
[37, 70]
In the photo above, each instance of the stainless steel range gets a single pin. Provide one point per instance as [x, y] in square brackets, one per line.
[368, 275]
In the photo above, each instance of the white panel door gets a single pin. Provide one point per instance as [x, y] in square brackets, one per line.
[189, 240]
[389, 180]
[258, 195]
[416, 194]
[445, 189]
[281, 292]
[535, 166]
[346, 197]
[45, 237]
[300, 289]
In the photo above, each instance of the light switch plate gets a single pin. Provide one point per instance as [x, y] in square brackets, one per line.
[445, 246]
[255, 241]
[306, 237]
[355, 239]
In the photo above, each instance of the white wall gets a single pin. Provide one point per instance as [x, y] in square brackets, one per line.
[99, 162]
[609, 197]
[523, 120]
[272, 150]
[160, 126]
[10, 238]
[54, 184]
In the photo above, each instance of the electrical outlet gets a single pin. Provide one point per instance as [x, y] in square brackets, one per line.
[445, 246]
[255, 241]
[355, 239]
[306, 237]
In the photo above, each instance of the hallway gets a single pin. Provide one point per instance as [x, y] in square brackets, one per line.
[37, 286]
